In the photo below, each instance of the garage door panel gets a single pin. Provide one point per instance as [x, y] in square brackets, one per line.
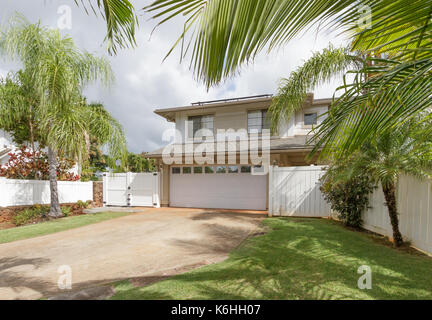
[218, 190]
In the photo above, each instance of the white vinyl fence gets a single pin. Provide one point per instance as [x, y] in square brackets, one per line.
[294, 191]
[414, 200]
[131, 189]
[15, 192]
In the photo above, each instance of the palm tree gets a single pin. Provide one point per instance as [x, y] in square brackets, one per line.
[17, 114]
[58, 72]
[222, 35]
[405, 150]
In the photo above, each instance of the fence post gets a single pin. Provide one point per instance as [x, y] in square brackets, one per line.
[104, 190]
[3, 198]
[156, 198]
[270, 192]
[128, 187]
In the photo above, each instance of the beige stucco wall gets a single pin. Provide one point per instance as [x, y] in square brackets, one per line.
[235, 117]
[229, 117]
[165, 172]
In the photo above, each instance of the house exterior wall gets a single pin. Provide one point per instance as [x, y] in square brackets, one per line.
[236, 117]
[165, 177]
[297, 126]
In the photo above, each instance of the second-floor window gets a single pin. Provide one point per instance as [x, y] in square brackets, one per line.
[257, 121]
[310, 119]
[196, 123]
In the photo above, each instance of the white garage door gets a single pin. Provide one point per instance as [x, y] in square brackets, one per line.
[222, 187]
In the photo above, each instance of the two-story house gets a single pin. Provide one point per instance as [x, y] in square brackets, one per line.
[233, 180]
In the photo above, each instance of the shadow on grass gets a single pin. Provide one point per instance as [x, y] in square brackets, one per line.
[299, 259]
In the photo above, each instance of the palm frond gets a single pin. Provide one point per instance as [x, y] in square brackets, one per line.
[320, 68]
[108, 131]
[396, 92]
[121, 21]
[397, 28]
[224, 34]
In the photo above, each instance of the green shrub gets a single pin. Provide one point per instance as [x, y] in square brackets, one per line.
[348, 194]
[24, 216]
[83, 204]
[66, 211]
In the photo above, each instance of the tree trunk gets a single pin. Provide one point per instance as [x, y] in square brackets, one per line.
[32, 142]
[390, 197]
[55, 210]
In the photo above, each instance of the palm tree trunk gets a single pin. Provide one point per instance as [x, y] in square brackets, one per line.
[390, 197]
[32, 143]
[55, 210]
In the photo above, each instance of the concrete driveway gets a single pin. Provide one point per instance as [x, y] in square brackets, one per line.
[147, 245]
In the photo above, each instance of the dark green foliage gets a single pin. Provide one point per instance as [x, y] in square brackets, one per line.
[137, 163]
[66, 211]
[96, 162]
[83, 204]
[347, 192]
[24, 216]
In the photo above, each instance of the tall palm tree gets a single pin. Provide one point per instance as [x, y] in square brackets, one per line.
[222, 35]
[58, 72]
[405, 150]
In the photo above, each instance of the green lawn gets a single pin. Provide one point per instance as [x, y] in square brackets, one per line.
[299, 259]
[62, 224]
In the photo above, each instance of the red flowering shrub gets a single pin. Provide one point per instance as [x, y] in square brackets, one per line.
[25, 164]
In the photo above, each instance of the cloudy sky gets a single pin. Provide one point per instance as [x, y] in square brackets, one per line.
[144, 83]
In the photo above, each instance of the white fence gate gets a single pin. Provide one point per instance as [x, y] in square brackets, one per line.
[131, 189]
[294, 191]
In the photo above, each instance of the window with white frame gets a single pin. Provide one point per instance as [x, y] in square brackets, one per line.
[258, 120]
[196, 123]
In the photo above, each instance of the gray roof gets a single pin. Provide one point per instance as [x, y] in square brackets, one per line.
[169, 113]
[276, 144]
